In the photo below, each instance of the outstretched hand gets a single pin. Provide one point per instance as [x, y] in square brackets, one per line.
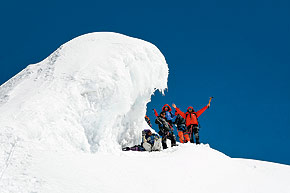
[174, 106]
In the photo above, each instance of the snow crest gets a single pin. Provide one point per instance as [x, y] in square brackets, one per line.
[89, 95]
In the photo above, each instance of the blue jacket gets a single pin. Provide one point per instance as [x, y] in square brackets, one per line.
[169, 116]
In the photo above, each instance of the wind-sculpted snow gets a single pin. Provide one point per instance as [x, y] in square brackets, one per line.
[90, 94]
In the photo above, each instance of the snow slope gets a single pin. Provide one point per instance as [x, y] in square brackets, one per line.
[187, 168]
[64, 120]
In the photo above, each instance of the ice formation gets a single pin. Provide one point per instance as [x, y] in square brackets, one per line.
[90, 94]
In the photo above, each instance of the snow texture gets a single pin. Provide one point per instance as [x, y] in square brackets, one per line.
[89, 95]
[64, 120]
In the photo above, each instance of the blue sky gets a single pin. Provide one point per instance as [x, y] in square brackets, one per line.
[236, 51]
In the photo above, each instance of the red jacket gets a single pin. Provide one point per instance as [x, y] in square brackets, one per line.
[191, 118]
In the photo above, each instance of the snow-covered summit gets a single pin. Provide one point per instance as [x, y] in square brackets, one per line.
[90, 94]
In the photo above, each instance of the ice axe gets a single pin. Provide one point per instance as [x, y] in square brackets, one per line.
[210, 98]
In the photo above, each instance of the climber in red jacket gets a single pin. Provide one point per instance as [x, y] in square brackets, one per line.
[191, 120]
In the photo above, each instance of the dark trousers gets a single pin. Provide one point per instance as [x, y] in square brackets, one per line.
[193, 133]
[169, 136]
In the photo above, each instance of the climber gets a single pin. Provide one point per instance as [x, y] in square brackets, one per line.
[165, 130]
[168, 114]
[182, 131]
[151, 141]
[191, 120]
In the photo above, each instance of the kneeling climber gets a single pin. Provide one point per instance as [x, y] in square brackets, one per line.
[151, 141]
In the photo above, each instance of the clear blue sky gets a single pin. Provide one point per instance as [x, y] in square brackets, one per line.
[236, 51]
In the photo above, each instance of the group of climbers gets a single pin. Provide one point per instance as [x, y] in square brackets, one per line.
[186, 123]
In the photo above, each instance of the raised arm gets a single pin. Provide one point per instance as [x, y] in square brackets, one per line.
[179, 111]
[198, 113]
[155, 113]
